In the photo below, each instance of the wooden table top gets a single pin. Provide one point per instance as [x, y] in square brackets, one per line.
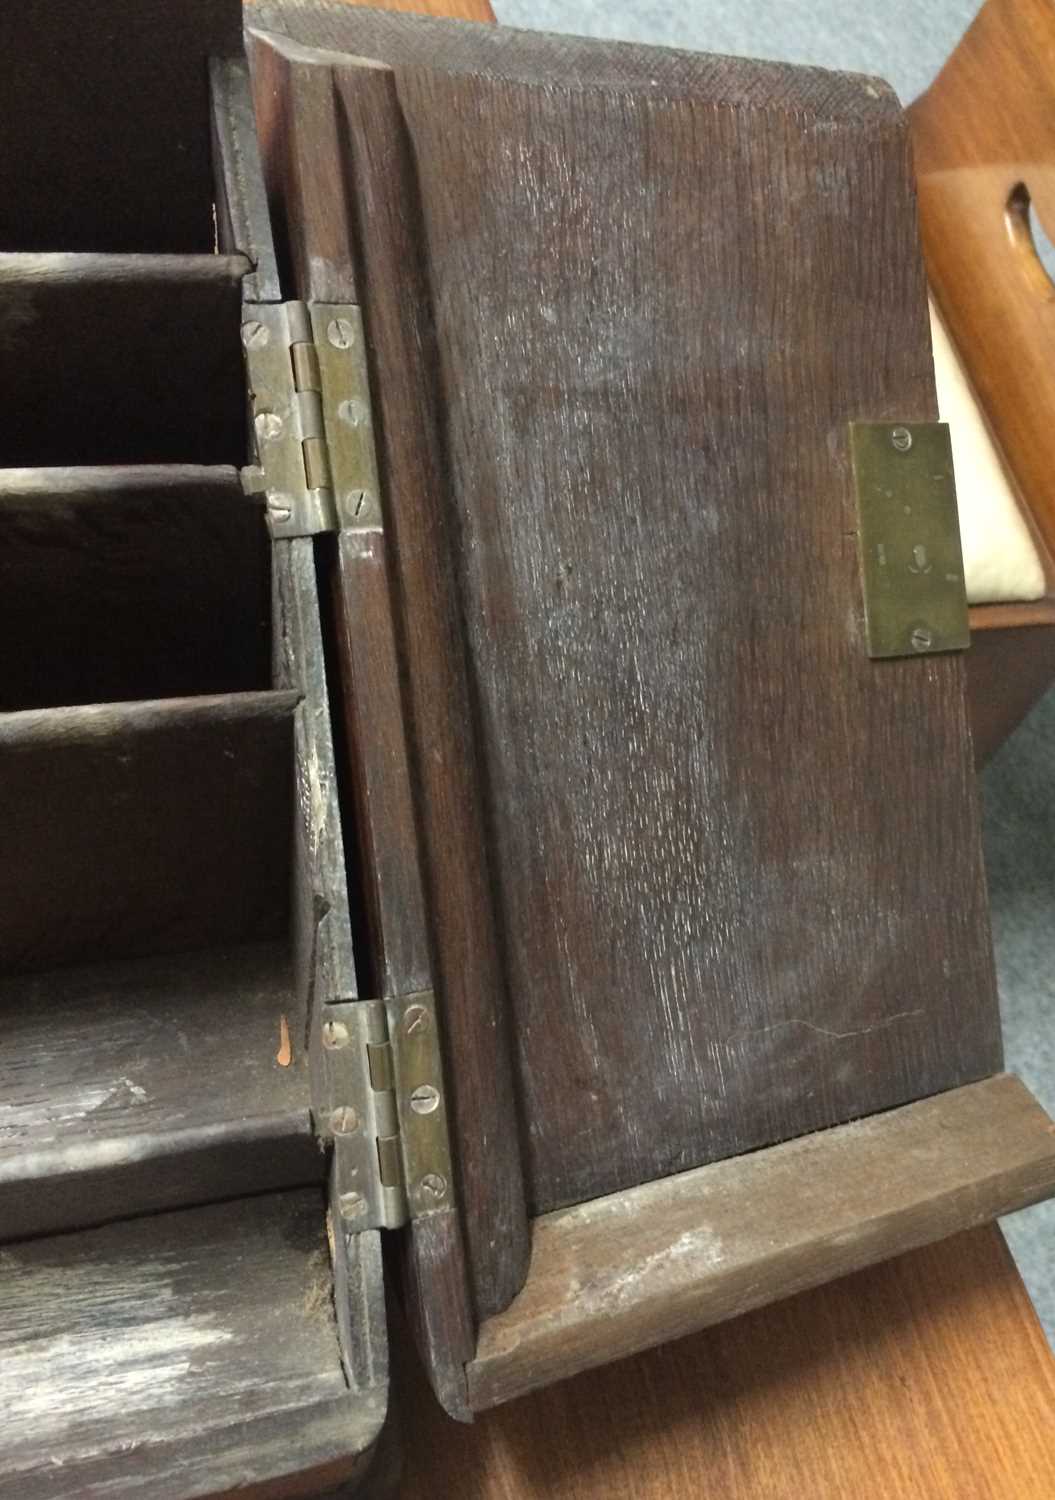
[927, 1378]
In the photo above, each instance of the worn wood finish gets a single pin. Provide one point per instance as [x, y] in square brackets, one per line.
[144, 828]
[301, 154]
[985, 128]
[243, 226]
[620, 1274]
[481, 1087]
[926, 1376]
[130, 359]
[106, 145]
[577, 539]
[377, 742]
[130, 583]
[324, 963]
[129, 1087]
[303, 160]
[216, 1328]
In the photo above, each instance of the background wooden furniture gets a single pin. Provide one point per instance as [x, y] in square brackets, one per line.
[927, 1378]
[984, 143]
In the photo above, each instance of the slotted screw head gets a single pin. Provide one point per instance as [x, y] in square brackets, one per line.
[341, 333]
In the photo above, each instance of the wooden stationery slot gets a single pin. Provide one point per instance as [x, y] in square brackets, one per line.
[107, 139]
[215, 1324]
[121, 359]
[118, 584]
[153, 1036]
[175, 920]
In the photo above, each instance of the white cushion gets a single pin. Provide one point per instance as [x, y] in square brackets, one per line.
[1000, 559]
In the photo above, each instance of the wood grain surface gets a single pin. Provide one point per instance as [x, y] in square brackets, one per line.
[186, 1354]
[303, 158]
[671, 811]
[461, 956]
[243, 226]
[928, 1376]
[151, 1083]
[119, 584]
[618, 1274]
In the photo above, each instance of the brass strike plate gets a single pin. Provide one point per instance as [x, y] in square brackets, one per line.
[911, 560]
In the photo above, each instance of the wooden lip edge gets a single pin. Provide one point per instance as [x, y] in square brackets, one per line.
[1013, 614]
[70, 483]
[35, 267]
[99, 722]
[310, 1448]
[565, 1341]
[134, 1148]
[149, 1176]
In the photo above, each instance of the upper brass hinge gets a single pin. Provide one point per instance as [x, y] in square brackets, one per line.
[382, 1103]
[915, 597]
[312, 428]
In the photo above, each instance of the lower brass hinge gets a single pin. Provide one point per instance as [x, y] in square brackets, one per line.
[381, 1101]
[312, 428]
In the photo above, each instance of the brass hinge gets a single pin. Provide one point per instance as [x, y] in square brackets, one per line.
[382, 1103]
[309, 394]
[911, 561]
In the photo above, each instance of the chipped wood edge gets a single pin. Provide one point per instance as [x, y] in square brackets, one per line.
[620, 1274]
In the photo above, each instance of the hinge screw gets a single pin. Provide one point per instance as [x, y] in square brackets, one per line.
[268, 426]
[341, 333]
[255, 335]
[353, 413]
[351, 1205]
[344, 1121]
[424, 1099]
[334, 1035]
[921, 638]
[433, 1184]
[901, 439]
[415, 1020]
[279, 510]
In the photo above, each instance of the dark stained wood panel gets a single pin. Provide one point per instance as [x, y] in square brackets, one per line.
[301, 131]
[720, 837]
[183, 1354]
[458, 881]
[301, 152]
[713, 841]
